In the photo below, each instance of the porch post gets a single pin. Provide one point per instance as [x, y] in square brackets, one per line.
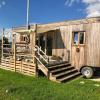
[2, 42]
[45, 43]
[32, 43]
[14, 47]
[38, 40]
[35, 53]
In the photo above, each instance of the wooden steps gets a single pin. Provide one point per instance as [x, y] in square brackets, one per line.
[62, 72]
[59, 72]
[61, 69]
[65, 73]
[57, 66]
[64, 79]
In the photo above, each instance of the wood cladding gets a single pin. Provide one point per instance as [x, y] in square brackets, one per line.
[89, 52]
[61, 33]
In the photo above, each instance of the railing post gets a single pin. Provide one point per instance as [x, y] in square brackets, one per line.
[38, 50]
[68, 53]
[37, 74]
[14, 47]
[2, 42]
[48, 59]
[36, 64]
[35, 53]
[14, 57]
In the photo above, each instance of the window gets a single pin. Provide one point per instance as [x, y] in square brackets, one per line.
[81, 37]
[78, 38]
[22, 38]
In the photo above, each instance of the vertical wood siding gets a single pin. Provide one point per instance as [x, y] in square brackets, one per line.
[63, 42]
[92, 54]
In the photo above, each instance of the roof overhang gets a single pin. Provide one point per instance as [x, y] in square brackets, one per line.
[26, 31]
[39, 30]
[46, 29]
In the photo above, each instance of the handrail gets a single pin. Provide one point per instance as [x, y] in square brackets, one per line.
[42, 57]
[42, 67]
[46, 71]
[39, 48]
[41, 63]
[46, 58]
[43, 53]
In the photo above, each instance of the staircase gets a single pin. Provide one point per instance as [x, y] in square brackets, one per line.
[62, 72]
[58, 72]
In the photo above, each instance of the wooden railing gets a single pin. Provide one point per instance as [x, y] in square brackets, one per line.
[42, 67]
[45, 58]
[41, 54]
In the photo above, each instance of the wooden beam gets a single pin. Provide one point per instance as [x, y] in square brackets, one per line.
[45, 43]
[2, 41]
[14, 47]
[35, 60]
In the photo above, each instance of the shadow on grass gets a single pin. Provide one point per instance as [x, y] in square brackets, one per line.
[96, 75]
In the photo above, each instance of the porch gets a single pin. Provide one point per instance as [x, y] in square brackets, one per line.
[38, 49]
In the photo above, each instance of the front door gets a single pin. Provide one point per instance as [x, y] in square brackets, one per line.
[49, 45]
[78, 47]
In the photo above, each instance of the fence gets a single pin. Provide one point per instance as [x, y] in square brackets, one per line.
[16, 57]
[21, 66]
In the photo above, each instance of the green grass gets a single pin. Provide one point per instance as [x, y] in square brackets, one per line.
[14, 86]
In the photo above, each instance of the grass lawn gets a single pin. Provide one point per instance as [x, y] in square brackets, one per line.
[14, 86]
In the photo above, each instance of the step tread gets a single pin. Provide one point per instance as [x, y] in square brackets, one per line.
[66, 72]
[56, 63]
[61, 69]
[68, 77]
[59, 65]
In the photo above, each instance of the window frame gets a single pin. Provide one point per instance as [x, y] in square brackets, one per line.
[22, 38]
[79, 32]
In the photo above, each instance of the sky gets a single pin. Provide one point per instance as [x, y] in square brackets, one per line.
[13, 12]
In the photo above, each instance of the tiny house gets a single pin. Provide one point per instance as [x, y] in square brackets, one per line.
[74, 41]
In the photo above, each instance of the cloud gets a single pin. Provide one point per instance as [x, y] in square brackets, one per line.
[93, 10]
[70, 2]
[89, 1]
[2, 3]
[92, 6]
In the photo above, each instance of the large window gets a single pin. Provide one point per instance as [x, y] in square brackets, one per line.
[78, 38]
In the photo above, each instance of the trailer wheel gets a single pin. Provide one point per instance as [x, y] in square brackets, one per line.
[87, 72]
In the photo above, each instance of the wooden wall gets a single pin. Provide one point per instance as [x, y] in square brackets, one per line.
[62, 42]
[92, 49]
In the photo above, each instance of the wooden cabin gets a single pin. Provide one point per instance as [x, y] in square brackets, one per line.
[76, 42]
